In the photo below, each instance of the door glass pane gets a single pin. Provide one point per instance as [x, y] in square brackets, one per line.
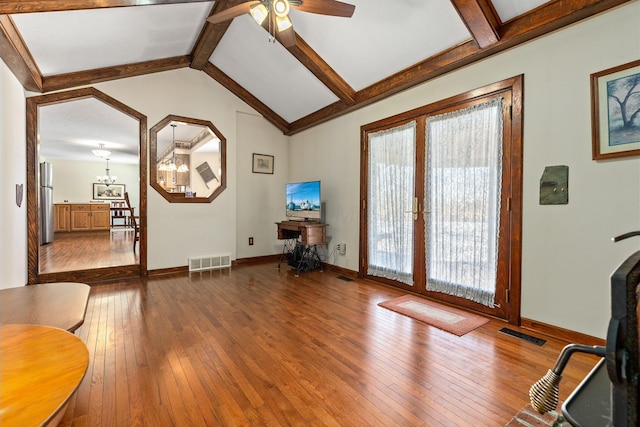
[463, 183]
[390, 203]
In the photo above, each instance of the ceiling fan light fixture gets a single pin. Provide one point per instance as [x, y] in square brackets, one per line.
[283, 23]
[259, 13]
[281, 8]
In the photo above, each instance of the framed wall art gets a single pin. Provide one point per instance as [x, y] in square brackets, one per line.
[108, 192]
[262, 163]
[615, 112]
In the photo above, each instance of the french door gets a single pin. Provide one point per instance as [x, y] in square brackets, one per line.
[391, 203]
[439, 187]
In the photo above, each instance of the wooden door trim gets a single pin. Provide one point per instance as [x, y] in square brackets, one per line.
[32, 105]
[512, 184]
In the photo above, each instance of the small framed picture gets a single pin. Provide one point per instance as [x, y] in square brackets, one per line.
[615, 112]
[262, 163]
[108, 192]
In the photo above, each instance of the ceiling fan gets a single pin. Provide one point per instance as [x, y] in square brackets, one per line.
[274, 14]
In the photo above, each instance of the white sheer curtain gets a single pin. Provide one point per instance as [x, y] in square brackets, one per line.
[391, 194]
[463, 181]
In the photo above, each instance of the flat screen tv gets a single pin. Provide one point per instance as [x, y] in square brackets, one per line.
[303, 200]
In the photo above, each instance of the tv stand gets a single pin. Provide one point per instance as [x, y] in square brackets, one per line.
[301, 238]
[303, 258]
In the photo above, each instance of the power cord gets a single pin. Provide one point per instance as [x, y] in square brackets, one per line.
[325, 257]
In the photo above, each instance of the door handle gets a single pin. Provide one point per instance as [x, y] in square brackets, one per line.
[414, 211]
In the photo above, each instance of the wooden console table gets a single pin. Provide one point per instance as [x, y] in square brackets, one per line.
[61, 305]
[301, 238]
[310, 233]
[41, 369]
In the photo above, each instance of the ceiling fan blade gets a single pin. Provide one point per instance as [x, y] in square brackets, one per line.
[287, 37]
[326, 7]
[231, 12]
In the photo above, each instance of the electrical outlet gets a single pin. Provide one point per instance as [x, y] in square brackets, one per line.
[250, 241]
[342, 248]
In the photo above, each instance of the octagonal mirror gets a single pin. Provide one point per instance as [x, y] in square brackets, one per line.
[188, 160]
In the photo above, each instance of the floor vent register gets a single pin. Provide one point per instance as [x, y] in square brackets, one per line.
[210, 262]
[523, 336]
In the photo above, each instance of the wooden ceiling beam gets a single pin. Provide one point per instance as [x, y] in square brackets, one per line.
[32, 6]
[211, 35]
[323, 71]
[481, 20]
[97, 75]
[17, 57]
[542, 20]
[231, 85]
[428, 69]
[554, 15]
[310, 59]
[207, 43]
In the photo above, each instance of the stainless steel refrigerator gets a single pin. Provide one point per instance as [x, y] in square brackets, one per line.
[46, 203]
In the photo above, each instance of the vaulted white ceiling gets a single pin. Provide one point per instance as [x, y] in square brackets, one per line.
[63, 42]
[354, 60]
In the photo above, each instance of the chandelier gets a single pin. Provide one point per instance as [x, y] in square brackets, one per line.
[107, 179]
[101, 152]
[172, 164]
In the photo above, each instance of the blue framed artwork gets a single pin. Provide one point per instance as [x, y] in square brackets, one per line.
[615, 112]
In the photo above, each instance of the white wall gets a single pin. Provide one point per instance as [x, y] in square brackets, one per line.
[567, 250]
[73, 180]
[261, 198]
[13, 219]
[177, 231]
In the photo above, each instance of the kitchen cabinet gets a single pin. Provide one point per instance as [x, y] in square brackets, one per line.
[90, 216]
[61, 218]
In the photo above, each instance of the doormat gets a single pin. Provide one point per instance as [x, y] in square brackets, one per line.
[449, 319]
[529, 417]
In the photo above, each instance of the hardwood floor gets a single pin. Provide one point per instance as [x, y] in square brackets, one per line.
[91, 249]
[254, 346]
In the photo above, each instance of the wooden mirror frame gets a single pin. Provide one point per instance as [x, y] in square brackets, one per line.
[33, 227]
[153, 156]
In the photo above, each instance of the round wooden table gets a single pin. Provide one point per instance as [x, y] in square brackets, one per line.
[41, 368]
